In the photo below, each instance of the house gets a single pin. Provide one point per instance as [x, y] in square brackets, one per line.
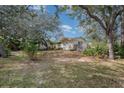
[71, 44]
[76, 44]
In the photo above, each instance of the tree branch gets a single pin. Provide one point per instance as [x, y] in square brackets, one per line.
[115, 15]
[93, 16]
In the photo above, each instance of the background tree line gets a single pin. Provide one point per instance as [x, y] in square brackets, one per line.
[23, 28]
[105, 22]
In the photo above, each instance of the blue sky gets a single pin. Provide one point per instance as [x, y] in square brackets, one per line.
[69, 25]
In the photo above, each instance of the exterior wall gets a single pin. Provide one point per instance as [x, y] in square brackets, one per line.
[71, 44]
[67, 46]
[76, 45]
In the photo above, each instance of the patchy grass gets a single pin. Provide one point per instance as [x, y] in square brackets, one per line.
[18, 71]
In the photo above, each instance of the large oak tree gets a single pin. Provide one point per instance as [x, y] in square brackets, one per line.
[105, 16]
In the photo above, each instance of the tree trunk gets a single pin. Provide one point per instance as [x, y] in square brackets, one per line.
[122, 31]
[110, 45]
[2, 51]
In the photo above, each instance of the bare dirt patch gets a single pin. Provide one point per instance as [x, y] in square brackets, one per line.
[69, 56]
[61, 53]
[88, 59]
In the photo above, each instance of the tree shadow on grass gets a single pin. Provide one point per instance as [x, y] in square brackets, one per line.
[82, 75]
[46, 72]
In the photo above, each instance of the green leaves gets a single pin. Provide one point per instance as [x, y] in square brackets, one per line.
[98, 50]
[63, 8]
[31, 48]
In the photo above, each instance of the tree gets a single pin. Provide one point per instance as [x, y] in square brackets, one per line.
[20, 23]
[105, 16]
[38, 27]
[122, 29]
[92, 31]
[7, 16]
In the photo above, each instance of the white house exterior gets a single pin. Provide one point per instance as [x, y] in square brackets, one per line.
[73, 44]
[68, 46]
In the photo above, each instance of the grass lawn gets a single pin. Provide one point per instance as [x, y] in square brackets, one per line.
[18, 71]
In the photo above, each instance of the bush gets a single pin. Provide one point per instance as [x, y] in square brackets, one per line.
[119, 51]
[7, 51]
[14, 44]
[31, 48]
[98, 50]
[4, 47]
[4, 52]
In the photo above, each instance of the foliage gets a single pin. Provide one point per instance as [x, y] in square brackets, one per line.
[18, 23]
[98, 50]
[4, 46]
[31, 48]
[104, 16]
[7, 51]
[119, 51]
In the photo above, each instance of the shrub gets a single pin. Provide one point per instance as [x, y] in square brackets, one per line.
[14, 44]
[119, 51]
[4, 52]
[31, 48]
[7, 51]
[98, 50]
[4, 47]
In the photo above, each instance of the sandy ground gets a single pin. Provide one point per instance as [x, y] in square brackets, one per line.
[70, 56]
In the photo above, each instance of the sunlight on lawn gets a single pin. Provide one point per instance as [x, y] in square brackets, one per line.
[19, 71]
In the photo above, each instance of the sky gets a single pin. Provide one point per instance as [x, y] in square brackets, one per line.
[69, 26]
